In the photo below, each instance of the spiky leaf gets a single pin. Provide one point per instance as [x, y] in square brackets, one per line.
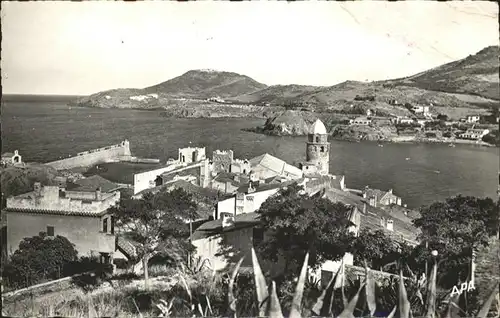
[260, 284]
[392, 313]
[370, 290]
[487, 305]
[322, 307]
[431, 297]
[231, 297]
[274, 303]
[299, 290]
[404, 304]
[348, 311]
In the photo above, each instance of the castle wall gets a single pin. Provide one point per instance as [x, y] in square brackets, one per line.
[93, 157]
[146, 180]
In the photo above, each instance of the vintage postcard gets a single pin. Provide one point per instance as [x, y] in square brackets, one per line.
[250, 159]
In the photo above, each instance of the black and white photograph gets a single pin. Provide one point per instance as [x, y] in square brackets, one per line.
[250, 159]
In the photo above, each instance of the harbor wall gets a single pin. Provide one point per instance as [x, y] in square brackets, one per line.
[119, 152]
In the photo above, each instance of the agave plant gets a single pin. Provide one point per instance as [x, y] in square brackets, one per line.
[269, 305]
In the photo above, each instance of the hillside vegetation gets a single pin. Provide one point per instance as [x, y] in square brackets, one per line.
[476, 74]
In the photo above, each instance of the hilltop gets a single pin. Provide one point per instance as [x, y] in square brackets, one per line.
[458, 86]
[202, 84]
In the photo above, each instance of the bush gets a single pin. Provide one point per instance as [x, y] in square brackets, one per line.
[39, 258]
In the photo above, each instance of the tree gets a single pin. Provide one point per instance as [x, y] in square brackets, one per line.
[40, 257]
[296, 223]
[375, 247]
[157, 224]
[456, 228]
[442, 117]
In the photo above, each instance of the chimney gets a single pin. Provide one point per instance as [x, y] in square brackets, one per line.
[227, 220]
[390, 225]
[251, 189]
[364, 207]
[98, 196]
[37, 189]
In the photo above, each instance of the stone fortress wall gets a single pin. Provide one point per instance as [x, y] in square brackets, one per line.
[113, 153]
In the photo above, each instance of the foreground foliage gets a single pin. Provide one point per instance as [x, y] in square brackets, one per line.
[37, 259]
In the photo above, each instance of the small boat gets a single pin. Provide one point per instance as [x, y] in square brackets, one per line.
[451, 145]
[407, 159]
[380, 145]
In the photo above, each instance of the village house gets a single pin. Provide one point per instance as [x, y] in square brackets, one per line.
[402, 120]
[472, 119]
[421, 120]
[11, 159]
[224, 241]
[227, 182]
[424, 110]
[80, 215]
[378, 197]
[365, 121]
[474, 134]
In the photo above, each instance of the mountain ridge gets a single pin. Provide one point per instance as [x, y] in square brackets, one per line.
[474, 75]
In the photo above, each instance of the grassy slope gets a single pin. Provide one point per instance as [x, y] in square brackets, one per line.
[476, 75]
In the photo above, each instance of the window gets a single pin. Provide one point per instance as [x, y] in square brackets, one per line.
[322, 148]
[317, 139]
[105, 225]
[112, 219]
[50, 231]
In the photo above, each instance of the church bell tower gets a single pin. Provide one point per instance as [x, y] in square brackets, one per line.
[318, 148]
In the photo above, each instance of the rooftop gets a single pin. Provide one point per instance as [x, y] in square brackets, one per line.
[371, 219]
[231, 177]
[260, 186]
[93, 183]
[318, 128]
[274, 164]
[215, 227]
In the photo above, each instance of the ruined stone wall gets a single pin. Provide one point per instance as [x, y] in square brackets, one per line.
[222, 161]
[93, 157]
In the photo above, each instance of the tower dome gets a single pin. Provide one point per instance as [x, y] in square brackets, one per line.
[318, 128]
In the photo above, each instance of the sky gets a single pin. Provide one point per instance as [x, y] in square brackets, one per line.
[84, 47]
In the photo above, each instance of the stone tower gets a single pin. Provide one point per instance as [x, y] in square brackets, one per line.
[318, 147]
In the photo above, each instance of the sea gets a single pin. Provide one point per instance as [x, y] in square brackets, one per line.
[44, 130]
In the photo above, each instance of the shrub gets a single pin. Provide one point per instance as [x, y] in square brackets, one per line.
[39, 258]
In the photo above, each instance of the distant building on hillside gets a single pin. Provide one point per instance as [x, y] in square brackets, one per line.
[11, 159]
[424, 110]
[81, 216]
[365, 121]
[472, 119]
[474, 134]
